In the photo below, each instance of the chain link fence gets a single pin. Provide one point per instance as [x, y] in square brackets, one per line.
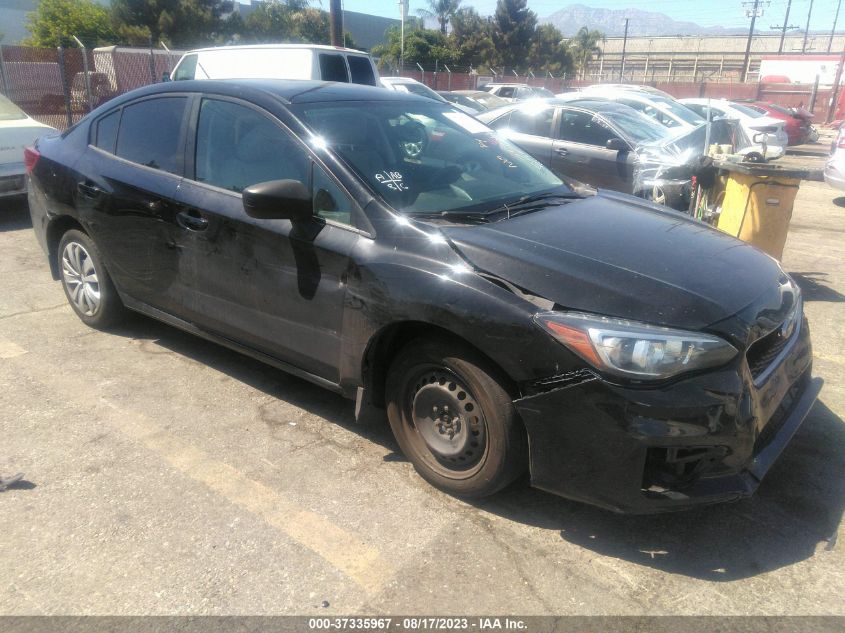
[57, 86]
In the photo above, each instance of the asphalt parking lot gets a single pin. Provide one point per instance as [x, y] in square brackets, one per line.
[166, 475]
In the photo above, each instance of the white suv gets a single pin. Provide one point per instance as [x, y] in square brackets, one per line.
[278, 61]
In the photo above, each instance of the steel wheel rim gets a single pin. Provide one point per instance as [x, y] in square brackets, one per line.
[447, 422]
[80, 278]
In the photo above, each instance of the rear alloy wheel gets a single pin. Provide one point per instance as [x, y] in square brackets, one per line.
[454, 420]
[86, 283]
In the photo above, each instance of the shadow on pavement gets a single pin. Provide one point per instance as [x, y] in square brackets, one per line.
[794, 515]
[14, 214]
[274, 382]
[840, 201]
[814, 288]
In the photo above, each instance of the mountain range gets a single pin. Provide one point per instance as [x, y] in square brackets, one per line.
[611, 22]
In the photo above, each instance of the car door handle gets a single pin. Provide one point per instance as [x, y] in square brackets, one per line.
[89, 191]
[560, 151]
[191, 220]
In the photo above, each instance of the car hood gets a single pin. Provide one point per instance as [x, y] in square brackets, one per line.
[616, 255]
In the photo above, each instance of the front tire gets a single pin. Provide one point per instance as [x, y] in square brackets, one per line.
[86, 283]
[453, 418]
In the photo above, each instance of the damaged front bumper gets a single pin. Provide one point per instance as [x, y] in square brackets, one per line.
[704, 439]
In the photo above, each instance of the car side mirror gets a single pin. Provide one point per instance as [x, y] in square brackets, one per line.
[278, 200]
[617, 145]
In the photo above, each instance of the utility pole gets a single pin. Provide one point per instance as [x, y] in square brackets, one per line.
[833, 30]
[624, 46]
[753, 13]
[403, 11]
[807, 30]
[785, 23]
[336, 22]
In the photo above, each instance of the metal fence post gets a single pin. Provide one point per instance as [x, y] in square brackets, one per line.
[87, 74]
[422, 70]
[4, 87]
[65, 85]
[449, 82]
[813, 93]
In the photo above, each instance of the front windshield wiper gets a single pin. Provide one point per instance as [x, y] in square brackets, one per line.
[534, 202]
[451, 215]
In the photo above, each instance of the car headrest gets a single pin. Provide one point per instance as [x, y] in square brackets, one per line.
[260, 143]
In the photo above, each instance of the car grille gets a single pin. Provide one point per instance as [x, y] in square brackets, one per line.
[764, 351]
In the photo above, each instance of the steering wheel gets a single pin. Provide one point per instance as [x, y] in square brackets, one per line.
[412, 138]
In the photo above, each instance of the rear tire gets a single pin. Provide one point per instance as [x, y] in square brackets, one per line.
[86, 282]
[453, 418]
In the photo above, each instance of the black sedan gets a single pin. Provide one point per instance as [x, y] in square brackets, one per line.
[399, 252]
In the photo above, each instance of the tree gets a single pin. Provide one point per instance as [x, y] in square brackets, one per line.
[442, 11]
[585, 48]
[513, 29]
[549, 52]
[471, 38]
[422, 46]
[54, 23]
[183, 23]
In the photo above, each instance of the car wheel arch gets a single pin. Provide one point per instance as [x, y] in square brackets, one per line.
[387, 342]
[55, 231]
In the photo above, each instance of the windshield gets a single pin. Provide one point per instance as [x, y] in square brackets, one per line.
[637, 127]
[679, 110]
[9, 111]
[489, 100]
[423, 158]
[747, 111]
[418, 89]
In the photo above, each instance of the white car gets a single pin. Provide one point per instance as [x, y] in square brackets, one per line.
[17, 131]
[834, 170]
[406, 84]
[667, 111]
[753, 122]
[278, 61]
[518, 92]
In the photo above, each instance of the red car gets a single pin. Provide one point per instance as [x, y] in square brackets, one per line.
[798, 127]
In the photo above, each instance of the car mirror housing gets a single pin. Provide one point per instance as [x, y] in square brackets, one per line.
[278, 200]
[617, 144]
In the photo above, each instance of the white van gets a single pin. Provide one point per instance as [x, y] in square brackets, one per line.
[278, 61]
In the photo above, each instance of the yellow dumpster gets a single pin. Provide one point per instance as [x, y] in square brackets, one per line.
[757, 202]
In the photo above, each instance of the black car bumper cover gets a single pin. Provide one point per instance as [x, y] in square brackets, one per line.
[608, 445]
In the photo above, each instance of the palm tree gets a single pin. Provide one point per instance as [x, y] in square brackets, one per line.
[585, 47]
[442, 11]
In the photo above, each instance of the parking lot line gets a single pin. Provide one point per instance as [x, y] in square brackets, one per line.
[343, 550]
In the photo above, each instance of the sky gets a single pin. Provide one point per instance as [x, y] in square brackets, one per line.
[728, 13]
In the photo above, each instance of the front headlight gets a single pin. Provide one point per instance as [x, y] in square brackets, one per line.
[634, 350]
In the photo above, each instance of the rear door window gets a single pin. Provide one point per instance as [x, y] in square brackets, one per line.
[537, 122]
[361, 70]
[333, 67]
[150, 133]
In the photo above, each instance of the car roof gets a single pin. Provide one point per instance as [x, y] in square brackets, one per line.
[322, 47]
[515, 85]
[289, 90]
